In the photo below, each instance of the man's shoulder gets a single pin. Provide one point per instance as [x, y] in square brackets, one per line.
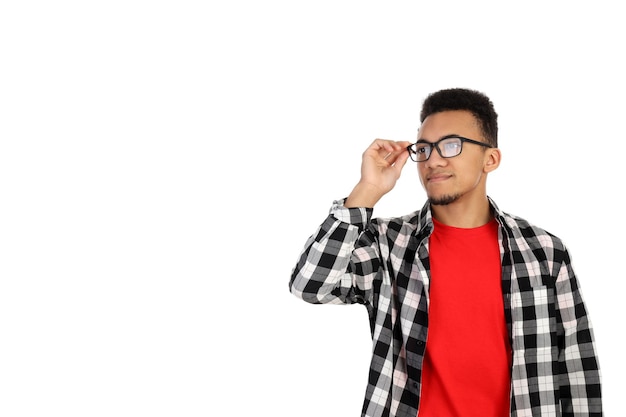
[404, 224]
[535, 235]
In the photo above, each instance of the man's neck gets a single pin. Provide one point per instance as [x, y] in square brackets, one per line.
[463, 214]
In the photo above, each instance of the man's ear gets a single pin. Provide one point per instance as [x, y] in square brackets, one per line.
[493, 159]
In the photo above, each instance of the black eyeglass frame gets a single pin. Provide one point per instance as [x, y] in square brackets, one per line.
[436, 146]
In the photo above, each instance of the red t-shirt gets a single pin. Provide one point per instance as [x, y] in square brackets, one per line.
[467, 362]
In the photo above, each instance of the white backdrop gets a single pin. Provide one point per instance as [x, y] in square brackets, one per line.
[162, 164]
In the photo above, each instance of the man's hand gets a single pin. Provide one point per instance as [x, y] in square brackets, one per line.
[381, 166]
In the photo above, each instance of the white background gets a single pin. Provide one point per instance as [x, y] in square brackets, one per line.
[162, 164]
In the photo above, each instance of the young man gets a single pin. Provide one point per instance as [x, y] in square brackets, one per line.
[473, 311]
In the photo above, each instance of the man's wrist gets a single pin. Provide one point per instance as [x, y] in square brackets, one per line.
[363, 195]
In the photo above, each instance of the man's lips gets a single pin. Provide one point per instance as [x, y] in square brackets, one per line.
[438, 177]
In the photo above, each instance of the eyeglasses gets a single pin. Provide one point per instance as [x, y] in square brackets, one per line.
[448, 147]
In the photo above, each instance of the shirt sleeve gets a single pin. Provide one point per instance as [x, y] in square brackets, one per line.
[339, 261]
[578, 363]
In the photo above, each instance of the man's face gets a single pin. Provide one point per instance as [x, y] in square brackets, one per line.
[447, 180]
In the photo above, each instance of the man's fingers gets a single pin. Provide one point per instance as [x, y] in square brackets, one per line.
[398, 157]
[387, 148]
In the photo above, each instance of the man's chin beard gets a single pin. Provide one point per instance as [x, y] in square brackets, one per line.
[443, 200]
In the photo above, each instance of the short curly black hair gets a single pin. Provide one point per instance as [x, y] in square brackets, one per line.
[465, 99]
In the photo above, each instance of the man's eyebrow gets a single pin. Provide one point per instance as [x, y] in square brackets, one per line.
[449, 135]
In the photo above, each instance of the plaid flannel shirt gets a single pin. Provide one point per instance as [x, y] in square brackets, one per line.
[384, 265]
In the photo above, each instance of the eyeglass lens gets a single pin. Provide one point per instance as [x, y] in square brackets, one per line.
[448, 148]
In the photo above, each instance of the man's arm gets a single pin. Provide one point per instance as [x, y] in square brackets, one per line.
[579, 368]
[330, 269]
[325, 272]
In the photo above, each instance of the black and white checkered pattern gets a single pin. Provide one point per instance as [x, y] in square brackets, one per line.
[384, 265]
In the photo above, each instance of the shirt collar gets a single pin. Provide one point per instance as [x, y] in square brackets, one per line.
[425, 224]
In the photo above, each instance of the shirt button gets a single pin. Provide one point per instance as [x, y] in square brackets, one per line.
[419, 342]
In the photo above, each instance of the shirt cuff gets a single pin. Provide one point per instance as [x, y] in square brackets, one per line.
[358, 216]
